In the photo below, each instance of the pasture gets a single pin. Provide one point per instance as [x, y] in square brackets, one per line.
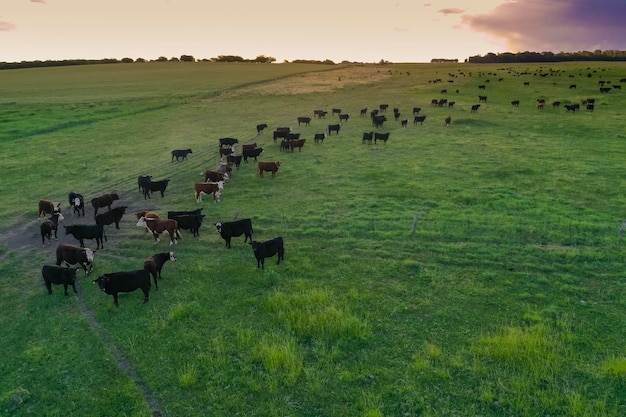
[469, 269]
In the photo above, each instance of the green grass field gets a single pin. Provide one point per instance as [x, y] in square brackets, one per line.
[468, 270]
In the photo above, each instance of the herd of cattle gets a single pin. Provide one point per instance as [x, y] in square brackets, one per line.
[75, 257]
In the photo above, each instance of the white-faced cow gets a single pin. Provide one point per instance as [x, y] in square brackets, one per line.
[73, 255]
[208, 188]
[48, 207]
[77, 202]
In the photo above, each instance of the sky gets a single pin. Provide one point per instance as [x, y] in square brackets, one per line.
[339, 30]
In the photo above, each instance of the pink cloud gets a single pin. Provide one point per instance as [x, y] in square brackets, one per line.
[6, 26]
[397, 29]
[38, 1]
[451, 10]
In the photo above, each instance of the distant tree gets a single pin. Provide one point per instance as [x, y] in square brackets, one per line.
[228, 58]
[262, 59]
[140, 60]
[187, 58]
[161, 59]
[174, 59]
[127, 60]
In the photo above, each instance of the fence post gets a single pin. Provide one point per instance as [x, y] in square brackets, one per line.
[415, 220]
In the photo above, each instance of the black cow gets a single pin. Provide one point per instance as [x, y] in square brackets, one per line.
[381, 136]
[304, 119]
[151, 186]
[234, 159]
[368, 136]
[124, 281]
[378, 121]
[112, 216]
[475, 107]
[228, 142]
[87, 231]
[49, 226]
[142, 181]
[59, 275]
[419, 119]
[344, 117]
[260, 128]
[515, 103]
[77, 202]
[73, 255]
[235, 228]
[319, 137]
[416, 110]
[180, 154]
[191, 222]
[268, 249]
[251, 153]
[333, 128]
[155, 263]
[482, 99]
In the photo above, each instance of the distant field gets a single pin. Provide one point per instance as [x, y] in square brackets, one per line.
[474, 269]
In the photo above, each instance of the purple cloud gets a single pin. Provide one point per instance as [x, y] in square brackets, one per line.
[555, 25]
[451, 10]
[6, 26]
[38, 1]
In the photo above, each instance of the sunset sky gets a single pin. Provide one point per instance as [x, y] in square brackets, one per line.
[353, 30]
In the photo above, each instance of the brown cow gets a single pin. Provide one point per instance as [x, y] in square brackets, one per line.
[227, 151]
[158, 226]
[268, 166]
[214, 176]
[48, 207]
[296, 143]
[448, 120]
[248, 146]
[74, 255]
[209, 188]
[104, 200]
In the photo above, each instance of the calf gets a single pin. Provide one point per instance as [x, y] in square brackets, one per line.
[152, 186]
[159, 226]
[49, 226]
[225, 168]
[252, 153]
[89, 231]
[124, 281]
[448, 120]
[296, 143]
[475, 107]
[269, 167]
[215, 176]
[260, 128]
[236, 160]
[77, 202]
[112, 216]
[142, 181]
[404, 122]
[48, 207]
[180, 154]
[104, 200]
[73, 255]
[268, 249]
[319, 137]
[368, 136]
[155, 263]
[209, 188]
[235, 228]
[58, 275]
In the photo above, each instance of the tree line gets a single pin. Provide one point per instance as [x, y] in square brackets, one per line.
[508, 57]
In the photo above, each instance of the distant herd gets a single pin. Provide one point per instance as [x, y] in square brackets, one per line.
[74, 257]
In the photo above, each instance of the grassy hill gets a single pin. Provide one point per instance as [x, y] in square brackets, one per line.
[474, 269]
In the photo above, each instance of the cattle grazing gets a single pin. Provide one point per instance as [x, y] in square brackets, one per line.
[572, 86]
[363, 111]
[448, 120]
[319, 137]
[296, 143]
[228, 230]
[590, 107]
[378, 121]
[404, 122]
[48, 207]
[383, 107]
[215, 176]
[268, 249]
[482, 99]
[320, 113]
[442, 102]
[269, 167]
[154, 264]
[49, 226]
[475, 107]
[416, 110]
[451, 104]
[304, 119]
[225, 168]
[229, 142]
[281, 132]
[248, 146]
[617, 87]
[180, 154]
[284, 145]
[374, 113]
[87, 231]
[540, 106]
[482, 87]
[515, 103]
[236, 160]
[77, 202]
[556, 103]
[291, 136]
[572, 107]
[104, 200]
[381, 136]
[396, 115]
[526, 83]
[142, 180]
[336, 111]
[419, 119]
[152, 186]
[146, 213]
[226, 151]
[112, 216]
[260, 128]
[58, 275]
[434, 102]
[334, 128]
[209, 188]
[188, 220]
[252, 153]
[159, 226]
[124, 281]
[73, 255]
[605, 89]
[444, 91]
[344, 117]
[368, 136]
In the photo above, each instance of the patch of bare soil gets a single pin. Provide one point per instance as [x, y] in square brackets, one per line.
[316, 82]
